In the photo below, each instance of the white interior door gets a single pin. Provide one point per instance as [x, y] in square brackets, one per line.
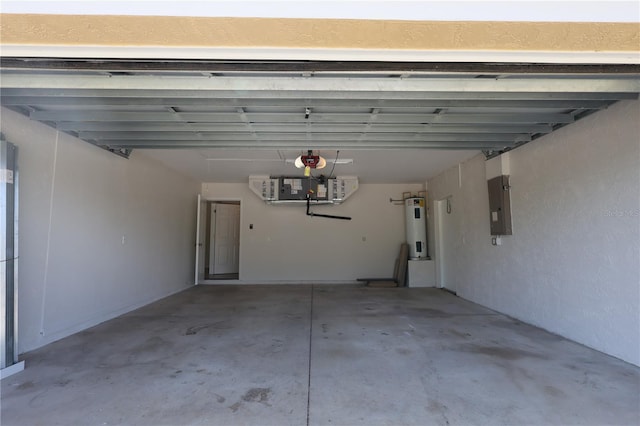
[201, 232]
[446, 234]
[225, 237]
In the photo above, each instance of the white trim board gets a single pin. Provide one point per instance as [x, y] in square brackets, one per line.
[267, 53]
[11, 370]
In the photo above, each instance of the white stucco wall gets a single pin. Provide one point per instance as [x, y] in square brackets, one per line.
[572, 265]
[286, 245]
[99, 235]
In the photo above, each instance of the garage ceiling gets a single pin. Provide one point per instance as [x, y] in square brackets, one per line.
[221, 122]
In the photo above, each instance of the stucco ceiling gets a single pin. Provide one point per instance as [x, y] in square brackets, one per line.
[223, 122]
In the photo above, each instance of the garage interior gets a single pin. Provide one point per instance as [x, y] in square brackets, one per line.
[118, 158]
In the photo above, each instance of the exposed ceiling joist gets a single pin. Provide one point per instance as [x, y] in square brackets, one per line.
[19, 97]
[432, 87]
[114, 127]
[106, 117]
[317, 137]
[330, 145]
[311, 67]
[262, 110]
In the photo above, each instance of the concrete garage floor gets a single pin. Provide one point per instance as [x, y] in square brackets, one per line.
[321, 355]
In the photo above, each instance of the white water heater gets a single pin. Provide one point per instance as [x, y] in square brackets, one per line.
[416, 227]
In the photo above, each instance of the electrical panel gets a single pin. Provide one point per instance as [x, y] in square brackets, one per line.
[500, 205]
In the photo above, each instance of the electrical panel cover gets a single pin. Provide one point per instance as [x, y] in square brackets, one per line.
[500, 205]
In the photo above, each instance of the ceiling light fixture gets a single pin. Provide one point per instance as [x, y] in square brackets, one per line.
[309, 162]
[341, 161]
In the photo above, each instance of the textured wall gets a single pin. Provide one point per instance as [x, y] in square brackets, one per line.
[99, 235]
[316, 33]
[572, 265]
[287, 245]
